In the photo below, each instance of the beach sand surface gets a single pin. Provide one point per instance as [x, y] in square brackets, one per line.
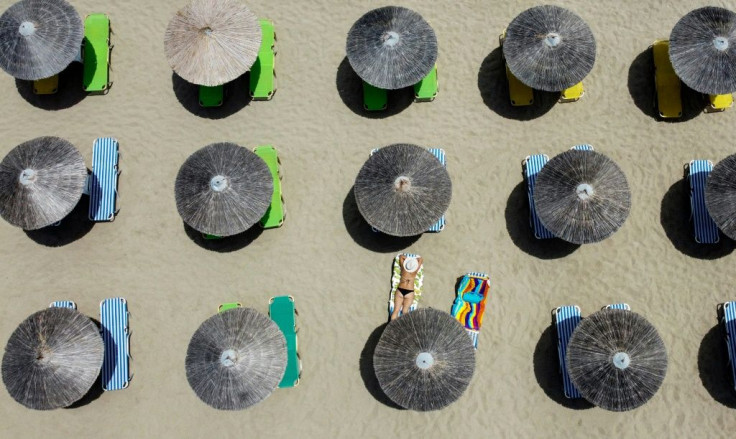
[338, 271]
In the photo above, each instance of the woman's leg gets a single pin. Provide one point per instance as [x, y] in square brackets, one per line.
[398, 300]
[408, 300]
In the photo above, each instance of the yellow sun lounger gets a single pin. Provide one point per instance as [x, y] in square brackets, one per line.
[720, 102]
[669, 102]
[572, 94]
[46, 86]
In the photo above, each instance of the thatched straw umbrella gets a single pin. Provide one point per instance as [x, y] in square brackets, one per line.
[223, 189]
[582, 196]
[424, 360]
[616, 359]
[549, 48]
[703, 50]
[720, 195]
[402, 190]
[39, 38]
[391, 47]
[41, 181]
[211, 42]
[236, 359]
[52, 359]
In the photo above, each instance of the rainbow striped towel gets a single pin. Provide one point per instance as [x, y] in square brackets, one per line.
[396, 277]
[470, 302]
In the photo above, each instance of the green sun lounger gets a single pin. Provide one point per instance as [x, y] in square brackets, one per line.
[276, 212]
[282, 311]
[226, 306]
[263, 73]
[426, 89]
[211, 96]
[96, 53]
[374, 98]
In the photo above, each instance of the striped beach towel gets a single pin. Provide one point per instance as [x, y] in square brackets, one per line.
[396, 277]
[470, 302]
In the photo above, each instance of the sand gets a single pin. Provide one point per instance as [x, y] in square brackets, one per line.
[338, 273]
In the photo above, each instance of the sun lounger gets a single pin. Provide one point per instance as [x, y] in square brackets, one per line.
[470, 303]
[263, 73]
[211, 96]
[282, 311]
[720, 103]
[96, 53]
[63, 304]
[276, 213]
[667, 83]
[46, 86]
[396, 277]
[532, 165]
[583, 147]
[706, 231]
[623, 306]
[116, 335]
[520, 94]
[227, 306]
[566, 319]
[103, 181]
[426, 89]
[728, 311]
[572, 94]
[374, 98]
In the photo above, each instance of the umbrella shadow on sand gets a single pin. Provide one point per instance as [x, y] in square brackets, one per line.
[643, 92]
[227, 244]
[236, 97]
[713, 367]
[522, 234]
[69, 93]
[368, 373]
[96, 390]
[494, 89]
[547, 371]
[71, 228]
[362, 233]
[674, 216]
[350, 88]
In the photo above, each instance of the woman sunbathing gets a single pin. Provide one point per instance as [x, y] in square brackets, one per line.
[404, 296]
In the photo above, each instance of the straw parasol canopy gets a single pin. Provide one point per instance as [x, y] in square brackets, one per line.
[616, 359]
[424, 360]
[402, 190]
[720, 195]
[703, 50]
[211, 42]
[549, 48]
[392, 47]
[52, 359]
[39, 38]
[223, 189]
[41, 181]
[236, 359]
[582, 196]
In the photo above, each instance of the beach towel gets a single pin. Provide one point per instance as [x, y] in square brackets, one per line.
[470, 303]
[396, 277]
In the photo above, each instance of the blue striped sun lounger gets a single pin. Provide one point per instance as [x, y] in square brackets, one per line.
[623, 306]
[583, 147]
[706, 231]
[63, 304]
[115, 334]
[532, 165]
[729, 325]
[103, 182]
[566, 320]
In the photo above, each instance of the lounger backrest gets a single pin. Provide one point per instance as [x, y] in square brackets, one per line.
[583, 147]
[115, 334]
[706, 231]
[567, 319]
[63, 304]
[729, 324]
[532, 165]
[103, 184]
[623, 306]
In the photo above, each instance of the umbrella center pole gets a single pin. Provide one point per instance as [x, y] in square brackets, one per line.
[402, 184]
[27, 28]
[621, 360]
[390, 38]
[207, 31]
[720, 43]
[28, 176]
[425, 360]
[552, 39]
[584, 191]
[229, 358]
[219, 183]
